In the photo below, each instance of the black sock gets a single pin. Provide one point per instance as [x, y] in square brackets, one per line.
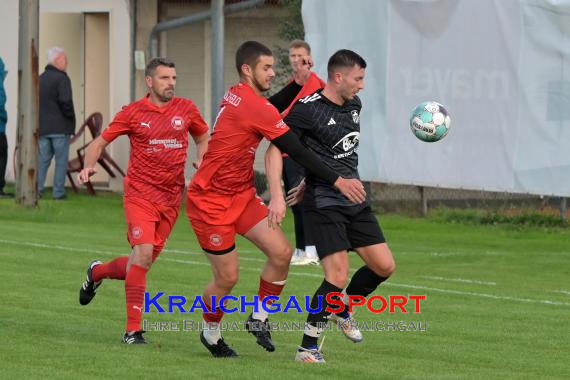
[363, 282]
[318, 320]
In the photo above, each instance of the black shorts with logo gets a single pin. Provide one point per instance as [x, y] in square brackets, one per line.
[335, 229]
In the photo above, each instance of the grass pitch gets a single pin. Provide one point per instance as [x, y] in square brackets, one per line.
[498, 303]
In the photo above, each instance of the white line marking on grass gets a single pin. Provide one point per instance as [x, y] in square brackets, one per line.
[460, 280]
[562, 292]
[473, 294]
[62, 248]
[305, 274]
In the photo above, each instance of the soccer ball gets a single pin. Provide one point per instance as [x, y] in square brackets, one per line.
[430, 121]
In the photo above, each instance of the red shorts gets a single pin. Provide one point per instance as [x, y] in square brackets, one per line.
[149, 223]
[217, 218]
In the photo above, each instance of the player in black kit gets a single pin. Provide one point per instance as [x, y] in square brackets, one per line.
[328, 123]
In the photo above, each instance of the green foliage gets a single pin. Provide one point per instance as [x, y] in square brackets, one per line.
[291, 29]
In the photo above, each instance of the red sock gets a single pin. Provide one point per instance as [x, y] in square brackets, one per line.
[215, 317]
[135, 285]
[267, 288]
[115, 269]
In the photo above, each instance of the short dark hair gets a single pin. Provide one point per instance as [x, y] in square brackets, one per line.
[344, 58]
[154, 63]
[249, 52]
[296, 44]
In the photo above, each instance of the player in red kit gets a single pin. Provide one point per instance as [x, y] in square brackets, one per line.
[222, 201]
[157, 126]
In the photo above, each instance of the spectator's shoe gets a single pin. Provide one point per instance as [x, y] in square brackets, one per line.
[348, 326]
[134, 337]
[89, 287]
[220, 349]
[261, 331]
[309, 355]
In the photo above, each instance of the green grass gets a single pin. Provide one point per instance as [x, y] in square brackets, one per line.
[498, 303]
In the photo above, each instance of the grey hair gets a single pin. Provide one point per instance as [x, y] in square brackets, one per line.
[53, 53]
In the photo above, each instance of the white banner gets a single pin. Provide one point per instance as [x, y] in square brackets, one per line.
[500, 67]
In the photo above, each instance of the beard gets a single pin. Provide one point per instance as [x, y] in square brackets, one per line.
[259, 86]
[166, 95]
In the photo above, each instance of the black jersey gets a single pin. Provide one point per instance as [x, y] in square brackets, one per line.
[332, 132]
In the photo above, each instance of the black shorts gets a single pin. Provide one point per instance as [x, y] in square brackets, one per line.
[335, 229]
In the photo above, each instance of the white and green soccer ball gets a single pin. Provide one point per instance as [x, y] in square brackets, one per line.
[430, 121]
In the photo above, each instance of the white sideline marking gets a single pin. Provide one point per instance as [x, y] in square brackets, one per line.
[460, 280]
[304, 274]
[562, 292]
[483, 295]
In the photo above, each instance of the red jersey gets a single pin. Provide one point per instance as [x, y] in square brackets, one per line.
[159, 144]
[312, 84]
[243, 120]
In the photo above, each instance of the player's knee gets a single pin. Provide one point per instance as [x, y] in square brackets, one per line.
[143, 257]
[338, 277]
[386, 269]
[227, 280]
[282, 256]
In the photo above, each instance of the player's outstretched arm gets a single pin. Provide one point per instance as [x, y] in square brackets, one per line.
[92, 154]
[351, 188]
[201, 148]
[274, 171]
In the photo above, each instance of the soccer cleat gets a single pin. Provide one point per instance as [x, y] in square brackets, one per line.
[310, 260]
[261, 331]
[299, 257]
[220, 349]
[134, 337]
[89, 287]
[349, 327]
[311, 354]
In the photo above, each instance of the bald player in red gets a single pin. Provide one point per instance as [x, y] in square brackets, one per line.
[222, 202]
[157, 126]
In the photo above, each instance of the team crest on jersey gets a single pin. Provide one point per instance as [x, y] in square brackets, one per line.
[136, 232]
[355, 116]
[177, 122]
[215, 240]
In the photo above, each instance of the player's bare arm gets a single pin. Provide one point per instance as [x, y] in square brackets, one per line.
[274, 171]
[92, 154]
[201, 148]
